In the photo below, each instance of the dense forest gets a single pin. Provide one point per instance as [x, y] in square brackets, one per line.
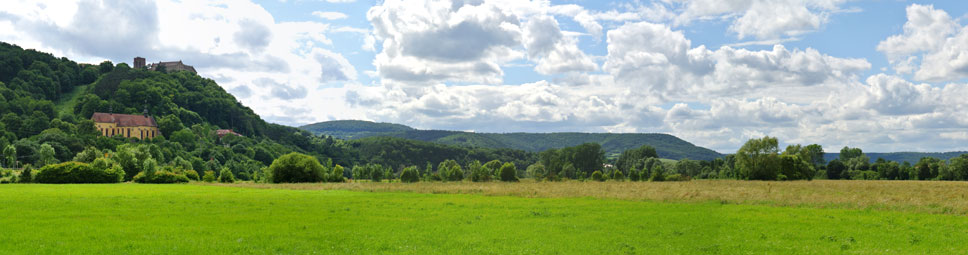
[667, 146]
[46, 103]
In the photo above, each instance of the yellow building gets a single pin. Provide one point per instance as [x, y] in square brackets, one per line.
[126, 125]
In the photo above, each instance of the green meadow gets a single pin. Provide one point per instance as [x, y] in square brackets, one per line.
[198, 219]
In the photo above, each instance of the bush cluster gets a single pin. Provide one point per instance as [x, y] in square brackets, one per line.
[295, 167]
[410, 175]
[160, 177]
[77, 172]
[598, 176]
[508, 172]
[226, 176]
[209, 176]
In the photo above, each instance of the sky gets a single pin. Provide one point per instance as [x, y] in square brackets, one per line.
[879, 75]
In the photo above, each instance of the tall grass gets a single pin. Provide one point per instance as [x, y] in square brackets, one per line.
[912, 196]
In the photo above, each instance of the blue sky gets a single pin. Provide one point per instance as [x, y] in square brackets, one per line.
[880, 75]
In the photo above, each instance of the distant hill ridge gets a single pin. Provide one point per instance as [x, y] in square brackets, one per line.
[667, 146]
[910, 157]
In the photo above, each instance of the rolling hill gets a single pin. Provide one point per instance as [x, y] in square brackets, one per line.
[667, 146]
[910, 157]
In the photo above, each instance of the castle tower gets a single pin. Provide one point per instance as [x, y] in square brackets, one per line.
[139, 62]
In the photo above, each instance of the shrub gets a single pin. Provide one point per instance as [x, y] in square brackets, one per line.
[455, 173]
[633, 175]
[410, 175]
[226, 176]
[192, 175]
[657, 177]
[597, 175]
[537, 171]
[836, 169]
[677, 178]
[150, 166]
[26, 176]
[479, 173]
[295, 167]
[618, 176]
[337, 175]
[449, 170]
[77, 172]
[794, 168]
[863, 175]
[209, 176]
[160, 177]
[376, 175]
[492, 167]
[508, 172]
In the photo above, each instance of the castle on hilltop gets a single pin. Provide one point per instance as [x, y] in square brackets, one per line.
[172, 66]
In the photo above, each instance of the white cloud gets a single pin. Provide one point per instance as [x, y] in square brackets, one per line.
[330, 15]
[924, 30]
[765, 20]
[440, 41]
[655, 59]
[580, 15]
[552, 50]
[774, 19]
[933, 46]
[891, 95]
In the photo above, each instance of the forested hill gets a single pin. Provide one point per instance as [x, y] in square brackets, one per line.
[354, 129]
[667, 146]
[46, 104]
[911, 157]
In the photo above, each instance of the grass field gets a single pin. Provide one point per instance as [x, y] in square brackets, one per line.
[198, 219]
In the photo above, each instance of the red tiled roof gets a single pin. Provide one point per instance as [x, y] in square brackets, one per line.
[124, 120]
[222, 132]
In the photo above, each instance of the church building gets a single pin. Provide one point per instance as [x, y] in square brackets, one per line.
[126, 125]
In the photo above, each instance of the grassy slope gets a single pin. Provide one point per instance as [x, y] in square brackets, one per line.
[158, 219]
[65, 105]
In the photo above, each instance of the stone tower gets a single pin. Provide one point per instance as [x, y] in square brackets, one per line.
[139, 62]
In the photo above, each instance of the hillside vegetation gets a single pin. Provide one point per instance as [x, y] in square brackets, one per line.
[46, 104]
[667, 146]
[188, 108]
[354, 129]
